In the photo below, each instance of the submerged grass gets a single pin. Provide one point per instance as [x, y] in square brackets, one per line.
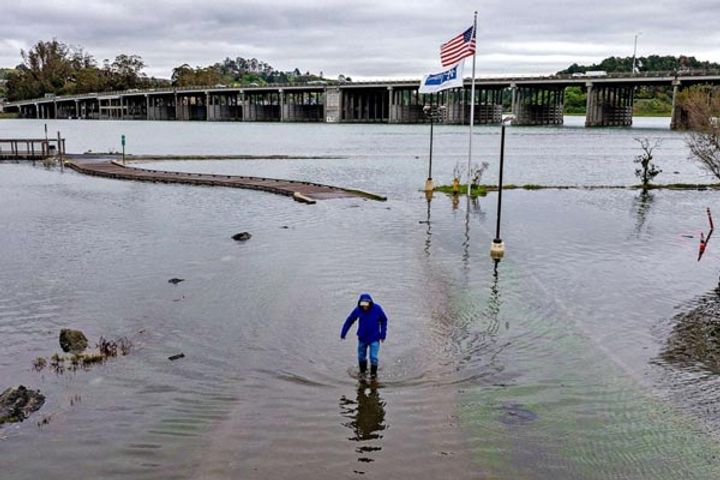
[483, 190]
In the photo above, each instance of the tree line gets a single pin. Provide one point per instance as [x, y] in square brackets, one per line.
[649, 100]
[651, 63]
[53, 67]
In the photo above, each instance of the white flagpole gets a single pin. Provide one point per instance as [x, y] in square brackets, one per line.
[472, 107]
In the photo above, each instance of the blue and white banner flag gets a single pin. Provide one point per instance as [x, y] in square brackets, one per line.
[436, 82]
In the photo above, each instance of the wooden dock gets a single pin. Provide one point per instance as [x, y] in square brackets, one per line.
[30, 148]
[306, 192]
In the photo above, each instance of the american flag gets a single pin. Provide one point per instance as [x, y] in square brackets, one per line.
[458, 48]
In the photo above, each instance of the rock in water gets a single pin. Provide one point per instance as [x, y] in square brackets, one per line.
[175, 281]
[16, 403]
[73, 341]
[242, 236]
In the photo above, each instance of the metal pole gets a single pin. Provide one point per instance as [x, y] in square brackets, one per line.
[497, 247]
[500, 183]
[432, 121]
[472, 106]
[60, 153]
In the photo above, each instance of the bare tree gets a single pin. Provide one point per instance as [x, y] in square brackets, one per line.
[701, 106]
[648, 170]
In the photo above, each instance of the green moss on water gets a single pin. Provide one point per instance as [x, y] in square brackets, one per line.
[477, 191]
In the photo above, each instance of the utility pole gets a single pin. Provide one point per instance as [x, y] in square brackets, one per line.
[634, 68]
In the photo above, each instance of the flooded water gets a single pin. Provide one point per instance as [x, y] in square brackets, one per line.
[589, 352]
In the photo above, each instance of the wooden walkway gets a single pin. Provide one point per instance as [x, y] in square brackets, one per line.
[306, 192]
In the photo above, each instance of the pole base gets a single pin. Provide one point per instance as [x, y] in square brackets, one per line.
[429, 186]
[497, 249]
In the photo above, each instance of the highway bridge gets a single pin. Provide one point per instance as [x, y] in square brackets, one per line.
[535, 101]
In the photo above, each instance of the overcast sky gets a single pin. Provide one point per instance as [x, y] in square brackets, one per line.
[364, 39]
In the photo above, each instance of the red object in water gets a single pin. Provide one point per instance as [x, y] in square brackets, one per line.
[704, 240]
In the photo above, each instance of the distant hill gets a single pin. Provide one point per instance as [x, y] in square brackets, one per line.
[652, 63]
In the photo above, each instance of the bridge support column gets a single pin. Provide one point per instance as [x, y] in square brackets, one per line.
[609, 106]
[261, 107]
[333, 104]
[225, 107]
[302, 107]
[407, 106]
[678, 116]
[488, 107]
[539, 105]
[365, 105]
[513, 100]
[207, 106]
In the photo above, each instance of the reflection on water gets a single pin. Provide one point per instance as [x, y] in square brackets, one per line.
[494, 300]
[428, 232]
[643, 202]
[367, 419]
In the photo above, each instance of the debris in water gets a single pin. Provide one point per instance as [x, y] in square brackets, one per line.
[39, 363]
[175, 281]
[177, 356]
[242, 236]
[17, 403]
[515, 414]
[72, 340]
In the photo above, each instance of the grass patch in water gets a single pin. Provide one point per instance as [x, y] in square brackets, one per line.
[476, 191]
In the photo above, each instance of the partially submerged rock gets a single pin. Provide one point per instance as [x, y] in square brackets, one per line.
[73, 341]
[17, 403]
[516, 414]
[242, 236]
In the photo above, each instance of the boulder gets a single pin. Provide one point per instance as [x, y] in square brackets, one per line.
[73, 341]
[242, 236]
[16, 403]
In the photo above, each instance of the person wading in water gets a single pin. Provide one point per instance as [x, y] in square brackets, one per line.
[372, 328]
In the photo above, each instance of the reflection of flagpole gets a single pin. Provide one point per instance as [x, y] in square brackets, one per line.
[472, 105]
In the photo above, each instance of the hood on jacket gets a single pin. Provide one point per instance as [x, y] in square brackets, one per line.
[366, 298]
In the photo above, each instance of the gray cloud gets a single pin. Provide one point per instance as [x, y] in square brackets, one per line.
[365, 38]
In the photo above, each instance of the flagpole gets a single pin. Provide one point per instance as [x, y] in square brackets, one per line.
[472, 107]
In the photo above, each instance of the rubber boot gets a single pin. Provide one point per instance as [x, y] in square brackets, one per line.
[373, 371]
[363, 367]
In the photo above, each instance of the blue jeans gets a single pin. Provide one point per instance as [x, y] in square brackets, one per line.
[374, 350]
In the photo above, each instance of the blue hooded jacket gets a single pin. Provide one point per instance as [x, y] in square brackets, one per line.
[372, 324]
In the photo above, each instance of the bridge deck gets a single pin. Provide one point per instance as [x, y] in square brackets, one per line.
[307, 192]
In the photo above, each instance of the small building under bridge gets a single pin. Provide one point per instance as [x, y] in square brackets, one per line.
[533, 100]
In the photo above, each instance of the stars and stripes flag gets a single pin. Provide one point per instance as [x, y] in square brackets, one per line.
[457, 48]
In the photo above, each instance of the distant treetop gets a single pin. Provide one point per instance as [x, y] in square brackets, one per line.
[652, 63]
